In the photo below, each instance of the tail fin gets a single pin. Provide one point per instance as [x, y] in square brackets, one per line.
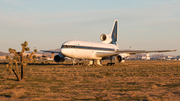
[114, 32]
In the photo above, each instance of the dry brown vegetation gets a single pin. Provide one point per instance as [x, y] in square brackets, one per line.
[132, 80]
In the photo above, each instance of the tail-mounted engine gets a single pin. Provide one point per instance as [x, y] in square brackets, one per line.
[119, 58]
[106, 38]
[59, 58]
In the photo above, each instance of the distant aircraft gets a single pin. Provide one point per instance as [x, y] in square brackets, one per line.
[76, 49]
[158, 57]
[174, 58]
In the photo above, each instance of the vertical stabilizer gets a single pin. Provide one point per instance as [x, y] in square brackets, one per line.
[114, 32]
[112, 37]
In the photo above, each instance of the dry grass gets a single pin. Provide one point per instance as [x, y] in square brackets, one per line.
[132, 80]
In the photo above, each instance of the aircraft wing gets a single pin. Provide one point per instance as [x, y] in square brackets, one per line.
[131, 52]
[50, 51]
[143, 51]
[106, 54]
[159, 51]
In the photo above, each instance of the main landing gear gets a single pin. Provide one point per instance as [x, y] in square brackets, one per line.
[80, 62]
[110, 64]
[91, 62]
[77, 63]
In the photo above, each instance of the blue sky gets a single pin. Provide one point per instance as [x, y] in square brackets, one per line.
[46, 24]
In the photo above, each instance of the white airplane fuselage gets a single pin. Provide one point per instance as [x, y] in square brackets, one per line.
[85, 49]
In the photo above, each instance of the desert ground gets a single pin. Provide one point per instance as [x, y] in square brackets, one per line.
[138, 80]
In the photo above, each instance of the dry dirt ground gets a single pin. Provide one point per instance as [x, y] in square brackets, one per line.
[132, 80]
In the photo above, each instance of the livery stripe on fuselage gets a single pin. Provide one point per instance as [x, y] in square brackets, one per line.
[87, 47]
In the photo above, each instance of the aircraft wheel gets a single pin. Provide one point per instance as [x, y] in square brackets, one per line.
[110, 64]
[81, 64]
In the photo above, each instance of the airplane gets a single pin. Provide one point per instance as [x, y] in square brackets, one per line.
[174, 58]
[158, 57]
[106, 49]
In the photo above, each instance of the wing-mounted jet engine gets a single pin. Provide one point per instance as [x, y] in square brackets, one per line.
[59, 58]
[119, 58]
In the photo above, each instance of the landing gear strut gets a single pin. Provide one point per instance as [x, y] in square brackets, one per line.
[80, 62]
[110, 64]
[73, 62]
[91, 62]
[99, 62]
[77, 63]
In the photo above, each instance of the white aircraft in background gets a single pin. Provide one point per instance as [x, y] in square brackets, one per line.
[174, 58]
[95, 50]
[158, 57]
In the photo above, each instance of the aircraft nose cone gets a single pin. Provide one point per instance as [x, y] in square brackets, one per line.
[62, 51]
[66, 51]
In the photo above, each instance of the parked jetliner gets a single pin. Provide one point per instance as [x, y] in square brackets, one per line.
[95, 50]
